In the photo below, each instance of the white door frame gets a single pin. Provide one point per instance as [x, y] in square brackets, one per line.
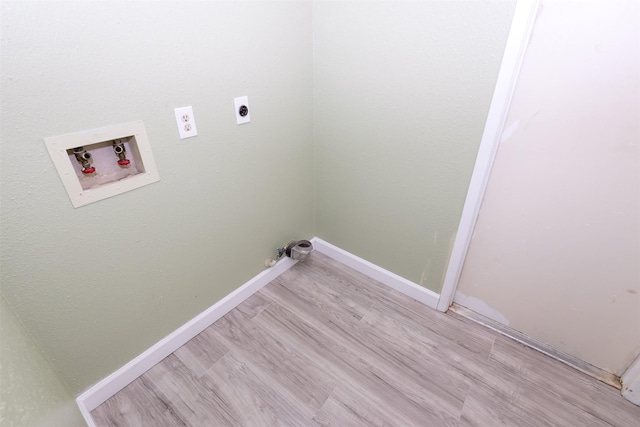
[517, 42]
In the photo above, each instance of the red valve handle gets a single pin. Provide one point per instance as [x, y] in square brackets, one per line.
[88, 170]
[124, 162]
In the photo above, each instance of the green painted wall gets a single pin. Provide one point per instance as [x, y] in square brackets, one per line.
[391, 97]
[402, 91]
[98, 285]
[31, 392]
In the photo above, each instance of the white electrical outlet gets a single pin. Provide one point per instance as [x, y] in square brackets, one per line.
[242, 110]
[186, 122]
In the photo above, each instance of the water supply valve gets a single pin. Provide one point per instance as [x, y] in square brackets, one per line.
[121, 152]
[83, 157]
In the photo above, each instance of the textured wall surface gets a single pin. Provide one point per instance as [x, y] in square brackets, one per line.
[32, 393]
[556, 251]
[401, 94]
[96, 286]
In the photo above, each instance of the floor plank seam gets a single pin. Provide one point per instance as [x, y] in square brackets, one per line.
[227, 353]
[321, 407]
[261, 310]
[493, 343]
[368, 313]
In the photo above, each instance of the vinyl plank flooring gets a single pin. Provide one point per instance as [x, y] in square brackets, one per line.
[201, 352]
[310, 282]
[484, 407]
[369, 371]
[324, 345]
[292, 370]
[508, 397]
[135, 406]
[347, 407]
[455, 329]
[399, 345]
[352, 411]
[544, 375]
[253, 305]
[195, 399]
[252, 398]
[469, 359]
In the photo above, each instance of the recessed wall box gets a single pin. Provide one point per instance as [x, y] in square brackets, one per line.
[100, 163]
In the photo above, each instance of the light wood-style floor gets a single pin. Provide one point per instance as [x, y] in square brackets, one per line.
[325, 345]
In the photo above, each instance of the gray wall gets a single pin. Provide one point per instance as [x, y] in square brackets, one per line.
[402, 91]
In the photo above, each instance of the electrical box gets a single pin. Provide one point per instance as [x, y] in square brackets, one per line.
[100, 163]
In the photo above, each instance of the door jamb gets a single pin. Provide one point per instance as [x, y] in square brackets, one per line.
[630, 380]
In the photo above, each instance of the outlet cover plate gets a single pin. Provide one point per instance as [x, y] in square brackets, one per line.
[243, 114]
[186, 122]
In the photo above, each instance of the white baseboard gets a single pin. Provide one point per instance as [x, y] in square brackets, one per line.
[100, 392]
[392, 280]
[630, 380]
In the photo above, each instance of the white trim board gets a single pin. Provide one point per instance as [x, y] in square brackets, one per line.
[521, 27]
[100, 392]
[392, 280]
[630, 380]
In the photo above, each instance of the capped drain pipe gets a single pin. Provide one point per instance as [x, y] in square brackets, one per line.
[298, 250]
